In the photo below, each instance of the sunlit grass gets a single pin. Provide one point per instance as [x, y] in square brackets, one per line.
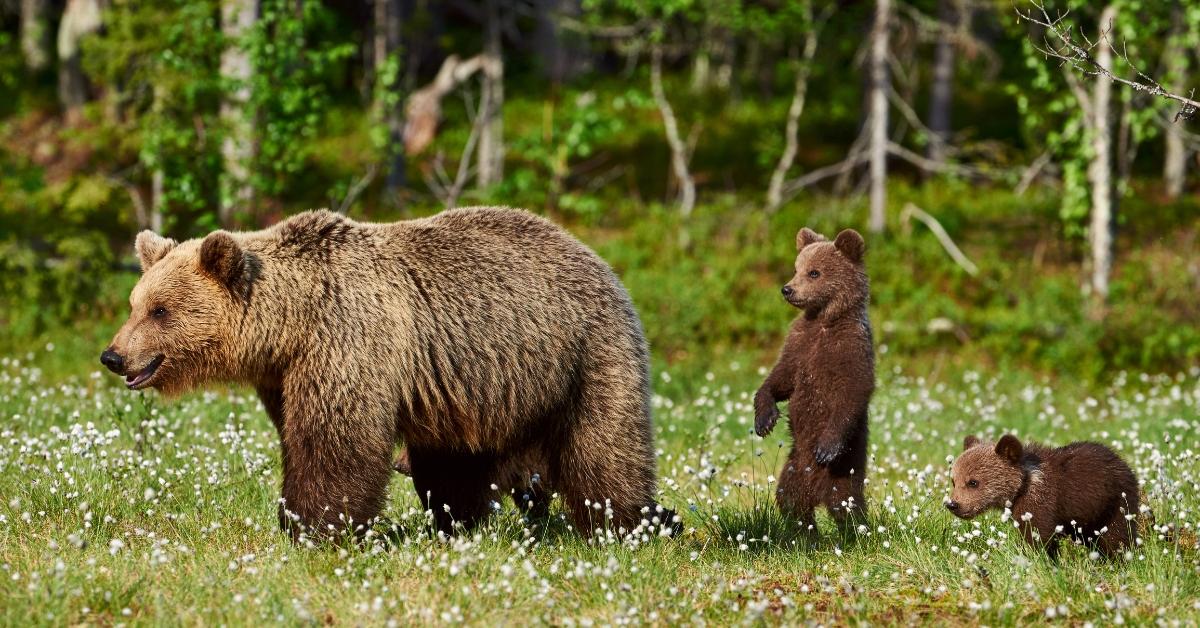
[119, 507]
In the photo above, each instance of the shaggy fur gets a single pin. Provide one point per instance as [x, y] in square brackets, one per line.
[826, 372]
[1082, 491]
[474, 336]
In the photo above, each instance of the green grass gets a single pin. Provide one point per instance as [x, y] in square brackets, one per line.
[122, 507]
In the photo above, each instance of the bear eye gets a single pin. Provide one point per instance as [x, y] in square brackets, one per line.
[972, 484]
[159, 312]
[814, 274]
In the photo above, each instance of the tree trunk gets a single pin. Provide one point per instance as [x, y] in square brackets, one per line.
[941, 92]
[237, 149]
[791, 141]
[491, 141]
[560, 52]
[1176, 153]
[1100, 172]
[679, 151]
[879, 114]
[80, 18]
[35, 33]
[389, 25]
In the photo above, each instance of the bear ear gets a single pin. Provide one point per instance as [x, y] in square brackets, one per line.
[1009, 448]
[851, 245]
[222, 258]
[806, 237]
[151, 247]
[970, 442]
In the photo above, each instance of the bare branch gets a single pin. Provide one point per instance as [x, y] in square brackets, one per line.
[1060, 43]
[911, 211]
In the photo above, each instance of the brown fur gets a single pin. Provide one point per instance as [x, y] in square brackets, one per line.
[472, 336]
[1084, 483]
[826, 372]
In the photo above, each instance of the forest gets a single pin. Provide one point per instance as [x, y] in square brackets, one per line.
[1025, 173]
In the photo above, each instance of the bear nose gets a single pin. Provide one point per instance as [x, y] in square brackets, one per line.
[112, 360]
[787, 291]
[952, 506]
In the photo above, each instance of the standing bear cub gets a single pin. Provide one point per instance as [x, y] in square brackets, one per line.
[826, 372]
[475, 336]
[1082, 491]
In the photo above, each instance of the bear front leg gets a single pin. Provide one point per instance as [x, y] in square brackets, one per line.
[337, 449]
[776, 388]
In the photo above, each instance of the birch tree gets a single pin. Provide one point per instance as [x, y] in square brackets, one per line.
[490, 156]
[878, 117]
[237, 149]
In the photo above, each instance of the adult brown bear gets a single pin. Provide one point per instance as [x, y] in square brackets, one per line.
[473, 335]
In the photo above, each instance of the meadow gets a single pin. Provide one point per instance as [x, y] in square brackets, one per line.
[122, 508]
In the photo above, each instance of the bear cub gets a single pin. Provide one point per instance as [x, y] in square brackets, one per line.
[1083, 491]
[826, 373]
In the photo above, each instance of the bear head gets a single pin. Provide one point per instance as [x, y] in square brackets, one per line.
[986, 475]
[831, 277]
[181, 309]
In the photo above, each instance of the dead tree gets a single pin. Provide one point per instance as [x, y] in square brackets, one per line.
[799, 95]
[878, 120]
[1100, 170]
[237, 148]
[679, 150]
[491, 140]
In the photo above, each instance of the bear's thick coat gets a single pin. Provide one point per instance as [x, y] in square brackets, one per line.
[473, 335]
[1082, 491]
[826, 373]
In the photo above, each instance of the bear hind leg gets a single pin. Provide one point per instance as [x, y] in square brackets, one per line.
[604, 467]
[796, 496]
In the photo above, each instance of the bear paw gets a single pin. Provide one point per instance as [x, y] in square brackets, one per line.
[826, 454]
[764, 423]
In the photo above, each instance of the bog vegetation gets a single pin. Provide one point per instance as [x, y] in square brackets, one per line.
[1032, 245]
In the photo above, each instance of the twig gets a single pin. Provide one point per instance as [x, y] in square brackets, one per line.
[356, 189]
[1079, 56]
[1031, 173]
[911, 211]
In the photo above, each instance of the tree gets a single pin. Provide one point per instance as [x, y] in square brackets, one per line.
[80, 18]
[950, 15]
[491, 141]
[237, 20]
[878, 121]
[35, 33]
[388, 23]
[803, 59]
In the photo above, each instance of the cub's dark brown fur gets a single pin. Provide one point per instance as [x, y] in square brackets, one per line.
[472, 336]
[1082, 491]
[826, 372]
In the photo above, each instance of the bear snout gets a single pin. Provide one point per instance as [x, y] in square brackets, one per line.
[113, 361]
[787, 291]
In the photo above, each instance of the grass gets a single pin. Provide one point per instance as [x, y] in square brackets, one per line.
[123, 508]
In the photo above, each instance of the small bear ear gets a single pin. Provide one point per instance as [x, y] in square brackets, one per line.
[222, 258]
[851, 245]
[1009, 448]
[806, 237]
[151, 247]
[970, 442]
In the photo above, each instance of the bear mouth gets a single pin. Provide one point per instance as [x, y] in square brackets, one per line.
[139, 379]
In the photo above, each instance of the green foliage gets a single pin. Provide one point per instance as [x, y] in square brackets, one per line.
[161, 63]
[292, 56]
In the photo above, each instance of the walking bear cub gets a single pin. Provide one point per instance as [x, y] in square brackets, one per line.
[1082, 491]
[826, 373]
[477, 337]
